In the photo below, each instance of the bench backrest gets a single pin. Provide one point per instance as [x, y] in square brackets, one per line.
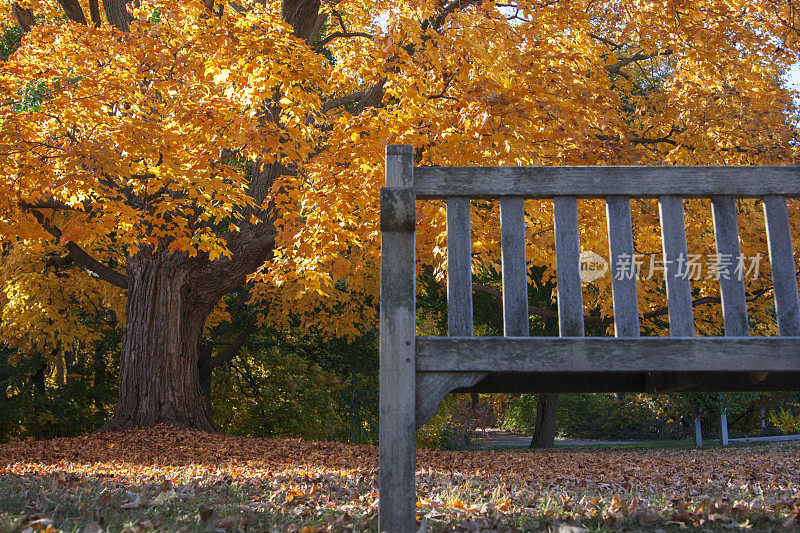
[416, 372]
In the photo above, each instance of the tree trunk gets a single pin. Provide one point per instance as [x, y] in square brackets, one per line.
[544, 434]
[99, 372]
[166, 312]
[39, 385]
[206, 371]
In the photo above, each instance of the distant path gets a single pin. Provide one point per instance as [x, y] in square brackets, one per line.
[494, 438]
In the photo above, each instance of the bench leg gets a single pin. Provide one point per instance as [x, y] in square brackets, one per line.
[397, 429]
[397, 505]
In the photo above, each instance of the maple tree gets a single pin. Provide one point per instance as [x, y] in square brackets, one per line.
[177, 151]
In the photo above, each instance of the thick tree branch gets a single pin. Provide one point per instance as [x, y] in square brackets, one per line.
[79, 256]
[611, 44]
[235, 346]
[372, 97]
[640, 140]
[302, 15]
[341, 34]
[437, 21]
[617, 67]
[49, 204]
[117, 14]
[73, 10]
[94, 13]
[342, 100]
[24, 17]
[250, 248]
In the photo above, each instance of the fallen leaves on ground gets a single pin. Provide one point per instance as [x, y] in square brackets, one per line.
[164, 478]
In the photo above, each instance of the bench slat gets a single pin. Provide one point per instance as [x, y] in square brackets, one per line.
[608, 354]
[781, 259]
[679, 292]
[459, 268]
[568, 273]
[731, 283]
[515, 268]
[597, 182]
[621, 266]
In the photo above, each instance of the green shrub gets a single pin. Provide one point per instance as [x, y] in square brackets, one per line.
[288, 397]
[786, 422]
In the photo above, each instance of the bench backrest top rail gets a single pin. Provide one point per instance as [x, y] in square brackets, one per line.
[595, 182]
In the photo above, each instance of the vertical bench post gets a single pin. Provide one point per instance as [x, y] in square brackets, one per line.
[679, 288]
[459, 268]
[397, 429]
[731, 284]
[515, 268]
[782, 264]
[568, 271]
[622, 266]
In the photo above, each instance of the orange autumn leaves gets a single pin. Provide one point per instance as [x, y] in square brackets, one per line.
[145, 138]
[329, 486]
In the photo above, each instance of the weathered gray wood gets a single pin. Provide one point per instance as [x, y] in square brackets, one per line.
[556, 382]
[781, 260]
[723, 428]
[679, 292]
[568, 273]
[397, 354]
[595, 182]
[731, 283]
[459, 268]
[698, 426]
[608, 354]
[622, 266]
[398, 209]
[515, 268]
[678, 284]
[433, 386]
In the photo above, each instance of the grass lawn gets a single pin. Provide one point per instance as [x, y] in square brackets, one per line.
[168, 480]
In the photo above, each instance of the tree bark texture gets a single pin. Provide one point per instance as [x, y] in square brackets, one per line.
[94, 12]
[23, 16]
[544, 434]
[117, 14]
[73, 10]
[166, 313]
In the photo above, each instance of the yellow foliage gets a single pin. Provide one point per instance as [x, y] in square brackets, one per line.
[148, 140]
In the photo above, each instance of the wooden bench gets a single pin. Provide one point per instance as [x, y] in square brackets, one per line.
[417, 372]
